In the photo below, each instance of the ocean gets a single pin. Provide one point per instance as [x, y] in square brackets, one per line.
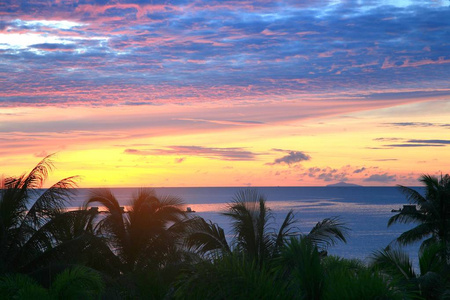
[365, 210]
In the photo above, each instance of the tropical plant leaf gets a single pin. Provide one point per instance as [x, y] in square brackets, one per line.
[415, 234]
[78, 282]
[250, 221]
[205, 237]
[328, 232]
[395, 262]
[20, 286]
[285, 231]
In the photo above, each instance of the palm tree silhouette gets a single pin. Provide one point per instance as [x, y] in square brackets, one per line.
[253, 237]
[144, 236]
[250, 222]
[432, 215]
[432, 280]
[25, 212]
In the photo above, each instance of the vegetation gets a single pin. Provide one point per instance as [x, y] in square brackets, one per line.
[432, 215]
[152, 249]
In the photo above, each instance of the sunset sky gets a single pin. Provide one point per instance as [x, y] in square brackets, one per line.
[226, 93]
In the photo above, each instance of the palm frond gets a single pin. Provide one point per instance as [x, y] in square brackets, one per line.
[250, 220]
[430, 258]
[408, 217]
[432, 214]
[413, 196]
[285, 230]
[299, 262]
[106, 198]
[415, 234]
[13, 205]
[38, 175]
[205, 237]
[114, 220]
[432, 186]
[328, 232]
[78, 282]
[15, 194]
[394, 262]
[51, 202]
[20, 286]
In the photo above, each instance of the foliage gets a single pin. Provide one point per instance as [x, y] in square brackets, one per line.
[144, 236]
[76, 282]
[432, 215]
[253, 235]
[19, 286]
[300, 265]
[25, 214]
[230, 277]
[153, 250]
[431, 283]
[205, 237]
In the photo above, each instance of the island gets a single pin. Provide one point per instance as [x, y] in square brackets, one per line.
[342, 184]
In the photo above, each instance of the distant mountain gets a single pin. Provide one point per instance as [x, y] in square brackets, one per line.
[342, 184]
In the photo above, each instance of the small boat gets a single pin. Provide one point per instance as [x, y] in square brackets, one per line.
[189, 210]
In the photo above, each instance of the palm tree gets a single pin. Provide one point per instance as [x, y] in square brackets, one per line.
[261, 256]
[206, 238]
[25, 210]
[300, 264]
[432, 281]
[75, 242]
[250, 222]
[432, 215]
[253, 236]
[145, 235]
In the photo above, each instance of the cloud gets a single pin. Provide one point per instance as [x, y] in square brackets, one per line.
[385, 159]
[328, 174]
[359, 170]
[380, 178]
[387, 139]
[419, 124]
[135, 52]
[348, 173]
[229, 154]
[137, 152]
[404, 143]
[223, 122]
[414, 145]
[180, 160]
[292, 158]
[443, 142]
[332, 176]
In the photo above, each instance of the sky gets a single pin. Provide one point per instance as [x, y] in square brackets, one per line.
[135, 93]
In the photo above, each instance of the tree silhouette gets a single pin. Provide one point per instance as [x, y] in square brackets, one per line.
[145, 235]
[432, 215]
[253, 235]
[25, 212]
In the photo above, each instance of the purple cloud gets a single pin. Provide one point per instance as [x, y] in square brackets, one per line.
[292, 158]
[230, 154]
[136, 52]
[359, 170]
[380, 178]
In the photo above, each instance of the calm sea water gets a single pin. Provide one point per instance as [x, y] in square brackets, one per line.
[365, 210]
